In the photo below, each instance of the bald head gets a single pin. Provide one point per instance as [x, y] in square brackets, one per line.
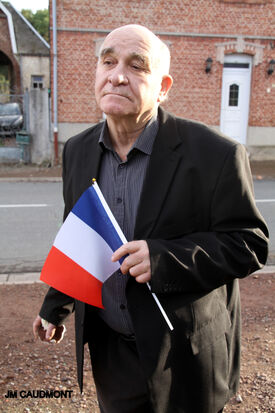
[159, 51]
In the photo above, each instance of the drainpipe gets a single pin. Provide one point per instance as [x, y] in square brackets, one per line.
[55, 114]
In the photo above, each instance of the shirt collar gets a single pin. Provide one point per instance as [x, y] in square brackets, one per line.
[144, 142]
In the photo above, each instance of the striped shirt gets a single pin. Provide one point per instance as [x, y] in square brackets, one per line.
[121, 183]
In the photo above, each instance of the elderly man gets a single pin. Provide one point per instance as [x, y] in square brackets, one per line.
[183, 196]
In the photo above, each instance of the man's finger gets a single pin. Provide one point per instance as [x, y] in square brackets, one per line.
[59, 333]
[36, 326]
[50, 332]
[130, 261]
[46, 331]
[42, 333]
[121, 252]
[138, 269]
[143, 278]
[128, 248]
[137, 261]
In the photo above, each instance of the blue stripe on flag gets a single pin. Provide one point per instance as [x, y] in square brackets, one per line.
[90, 210]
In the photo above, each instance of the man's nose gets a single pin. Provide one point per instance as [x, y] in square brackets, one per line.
[118, 77]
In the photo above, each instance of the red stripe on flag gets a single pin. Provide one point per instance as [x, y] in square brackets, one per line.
[63, 274]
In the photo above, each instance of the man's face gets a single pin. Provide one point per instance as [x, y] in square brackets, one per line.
[127, 83]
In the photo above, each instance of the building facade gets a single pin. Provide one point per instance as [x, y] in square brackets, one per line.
[222, 62]
[24, 54]
[25, 79]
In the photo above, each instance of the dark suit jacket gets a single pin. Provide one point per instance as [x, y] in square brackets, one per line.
[198, 215]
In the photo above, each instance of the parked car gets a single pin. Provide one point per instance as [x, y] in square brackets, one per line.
[11, 119]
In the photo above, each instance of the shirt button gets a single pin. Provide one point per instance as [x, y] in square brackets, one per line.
[119, 200]
[122, 306]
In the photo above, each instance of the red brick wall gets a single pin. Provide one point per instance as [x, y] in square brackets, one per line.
[76, 68]
[262, 102]
[5, 47]
[195, 94]
[207, 16]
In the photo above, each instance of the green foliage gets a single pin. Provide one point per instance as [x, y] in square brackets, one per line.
[39, 20]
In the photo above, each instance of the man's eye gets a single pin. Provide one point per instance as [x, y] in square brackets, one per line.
[107, 62]
[136, 67]
[140, 67]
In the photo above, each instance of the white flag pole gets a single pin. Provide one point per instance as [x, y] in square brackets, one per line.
[161, 309]
[124, 241]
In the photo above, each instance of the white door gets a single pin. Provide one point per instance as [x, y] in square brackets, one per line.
[235, 96]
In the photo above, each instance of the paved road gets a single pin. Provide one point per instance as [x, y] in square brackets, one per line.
[265, 197]
[31, 214]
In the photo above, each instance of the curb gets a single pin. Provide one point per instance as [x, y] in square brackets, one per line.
[268, 269]
[33, 277]
[31, 179]
[59, 179]
[20, 278]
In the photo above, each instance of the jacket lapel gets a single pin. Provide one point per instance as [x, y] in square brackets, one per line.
[91, 156]
[159, 176]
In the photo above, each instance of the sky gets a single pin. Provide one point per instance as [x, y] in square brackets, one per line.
[33, 5]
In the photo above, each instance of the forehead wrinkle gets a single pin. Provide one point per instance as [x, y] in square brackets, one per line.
[132, 56]
[106, 51]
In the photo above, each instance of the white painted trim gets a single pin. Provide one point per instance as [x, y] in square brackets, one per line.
[11, 27]
[241, 46]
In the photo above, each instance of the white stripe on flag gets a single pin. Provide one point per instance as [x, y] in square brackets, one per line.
[85, 246]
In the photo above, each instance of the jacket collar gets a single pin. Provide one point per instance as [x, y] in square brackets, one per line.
[159, 176]
[163, 163]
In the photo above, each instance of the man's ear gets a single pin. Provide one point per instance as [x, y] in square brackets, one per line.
[166, 85]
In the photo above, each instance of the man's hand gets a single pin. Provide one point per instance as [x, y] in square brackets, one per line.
[51, 333]
[137, 261]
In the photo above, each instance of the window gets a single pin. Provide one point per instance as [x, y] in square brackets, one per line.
[237, 65]
[233, 95]
[37, 82]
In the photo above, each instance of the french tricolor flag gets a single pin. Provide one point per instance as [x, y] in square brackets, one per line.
[79, 261]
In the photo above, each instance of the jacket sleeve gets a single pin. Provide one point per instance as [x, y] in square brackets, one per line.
[57, 306]
[234, 246]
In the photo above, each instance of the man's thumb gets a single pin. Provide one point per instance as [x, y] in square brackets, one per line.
[50, 332]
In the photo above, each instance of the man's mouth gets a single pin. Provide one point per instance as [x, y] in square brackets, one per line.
[115, 94]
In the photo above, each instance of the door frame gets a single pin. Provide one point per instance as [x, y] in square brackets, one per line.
[237, 59]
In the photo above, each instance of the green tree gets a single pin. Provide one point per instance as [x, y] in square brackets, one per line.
[39, 20]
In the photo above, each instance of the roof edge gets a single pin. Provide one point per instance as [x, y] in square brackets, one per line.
[31, 27]
[11, 27]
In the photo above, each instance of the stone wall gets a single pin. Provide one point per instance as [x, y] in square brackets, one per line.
[41, 144]
[35, 66]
